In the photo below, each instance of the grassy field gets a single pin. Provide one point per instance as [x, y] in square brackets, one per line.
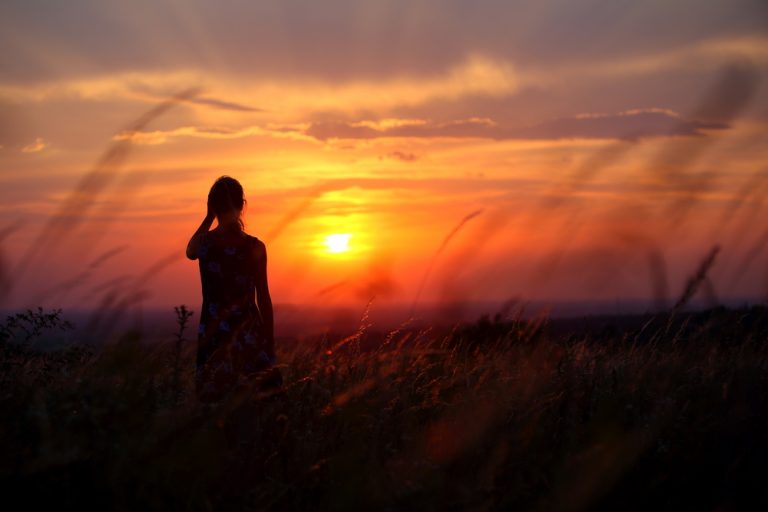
[656, 412]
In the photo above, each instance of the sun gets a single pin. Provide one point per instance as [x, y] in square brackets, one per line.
[337, 243]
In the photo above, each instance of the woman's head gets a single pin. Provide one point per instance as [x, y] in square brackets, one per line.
[226, 199]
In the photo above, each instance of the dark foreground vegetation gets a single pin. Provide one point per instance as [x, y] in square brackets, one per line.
[643, 413]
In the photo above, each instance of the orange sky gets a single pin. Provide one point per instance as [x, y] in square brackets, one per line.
[590, 159]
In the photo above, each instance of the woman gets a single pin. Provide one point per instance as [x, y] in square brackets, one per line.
[236, 336]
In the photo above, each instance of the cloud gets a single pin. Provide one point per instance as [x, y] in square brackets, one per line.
[35, 147]
[473, 127]
[155, 137]
[162, 136]
[697, 54]
[403, 156]
[631, 124]
[472, 75]
[627, 125]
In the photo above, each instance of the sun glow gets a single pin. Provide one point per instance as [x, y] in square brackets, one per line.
[337, 243]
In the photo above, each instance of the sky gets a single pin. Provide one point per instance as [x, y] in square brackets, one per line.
[464, 150]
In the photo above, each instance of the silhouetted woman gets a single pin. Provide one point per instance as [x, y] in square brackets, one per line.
[236, 336]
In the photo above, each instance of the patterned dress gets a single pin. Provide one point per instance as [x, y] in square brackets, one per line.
[232, 348]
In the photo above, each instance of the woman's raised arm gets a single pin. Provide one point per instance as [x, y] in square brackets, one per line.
[194, 242]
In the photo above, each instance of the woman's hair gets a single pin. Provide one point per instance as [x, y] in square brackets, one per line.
[227, 195]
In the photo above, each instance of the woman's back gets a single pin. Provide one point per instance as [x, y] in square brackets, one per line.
[228, 261]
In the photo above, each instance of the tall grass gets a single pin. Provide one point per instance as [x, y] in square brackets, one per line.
[498, 415]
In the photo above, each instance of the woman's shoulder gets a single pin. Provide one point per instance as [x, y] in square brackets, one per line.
[258, 246]
[252, 239]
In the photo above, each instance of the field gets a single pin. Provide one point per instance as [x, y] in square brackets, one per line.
[653, 412]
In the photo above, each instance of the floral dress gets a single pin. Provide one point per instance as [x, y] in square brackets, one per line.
[232, 348]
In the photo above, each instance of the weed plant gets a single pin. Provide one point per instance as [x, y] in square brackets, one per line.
[665, 412]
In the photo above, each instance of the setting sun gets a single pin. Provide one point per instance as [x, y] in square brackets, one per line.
[337, 243]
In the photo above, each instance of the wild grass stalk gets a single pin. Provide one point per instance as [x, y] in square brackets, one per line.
[182, 318]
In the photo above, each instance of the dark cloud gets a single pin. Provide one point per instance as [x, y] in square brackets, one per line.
[625, 125]
[345, 39]
[628, 125]
[403, 156]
